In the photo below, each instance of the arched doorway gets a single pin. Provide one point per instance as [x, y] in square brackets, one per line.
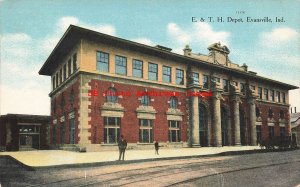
[224, 126]
[203, 125]
[242, 127]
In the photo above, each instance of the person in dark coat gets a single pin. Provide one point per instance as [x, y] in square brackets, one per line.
[122, 144]
[156, 145]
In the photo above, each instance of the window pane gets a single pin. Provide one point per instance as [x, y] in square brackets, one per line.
[173, 102]
[179, 77]
[166, 74]
[74, 62]
[145, 100]
[205, 81]
[102, 61]
[121, 64]
[137, 68]
[225, 85]
[195, 78]
[152, 71]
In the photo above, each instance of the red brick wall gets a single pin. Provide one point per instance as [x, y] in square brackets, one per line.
[68, 107]
[264, 108]
[130, 122]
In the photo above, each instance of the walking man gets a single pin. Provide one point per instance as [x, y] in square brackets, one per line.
[156, 145]
[122, 144]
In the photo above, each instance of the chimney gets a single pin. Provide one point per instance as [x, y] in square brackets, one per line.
[187, 50]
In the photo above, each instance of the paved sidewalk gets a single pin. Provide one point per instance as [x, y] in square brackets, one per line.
[42, 158]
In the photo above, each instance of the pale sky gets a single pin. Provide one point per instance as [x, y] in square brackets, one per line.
[30, 29]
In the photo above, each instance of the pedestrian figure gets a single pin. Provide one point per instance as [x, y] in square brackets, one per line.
[122, 146]
[156, 145]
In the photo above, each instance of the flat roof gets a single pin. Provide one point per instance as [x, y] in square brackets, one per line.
[74, 33]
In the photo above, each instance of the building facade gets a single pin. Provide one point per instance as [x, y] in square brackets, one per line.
[20, 132]
[104, 86]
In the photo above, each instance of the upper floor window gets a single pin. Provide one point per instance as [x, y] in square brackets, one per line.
[283, 97]
[102, 61]
[111, 95]
[65, 71]
[166, 74]
[62, 101]
[270, 113]
[195, 77]
[137, 68]
[173, 102]
[145, 100]
[121, 65]
[205, 81]
[252, 87]
[74, 62]
[272, 95]
[53, 82]
[281, 114]
[60, 76]
[225, 85]
[259, 92]
[56, 76]
[278, 96]
[243, 88]
[266, 93]
[179, 77]
[69, 67]
[152, 71]
[257, 112]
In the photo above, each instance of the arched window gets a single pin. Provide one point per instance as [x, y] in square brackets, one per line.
[111, 95]
[173, 102]
[270, 113]
[145, 100]
[257, 112]
[281, 115]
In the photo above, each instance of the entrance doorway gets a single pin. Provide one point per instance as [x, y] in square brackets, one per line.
[203, 125]
[224, 126]
[242, 127]
[29, 137]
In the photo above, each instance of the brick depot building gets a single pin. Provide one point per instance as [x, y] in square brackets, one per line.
[104, 86]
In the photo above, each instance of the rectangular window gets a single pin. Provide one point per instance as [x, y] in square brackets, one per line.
[243, 88]
[283, 97]
[259, 92]
[252, 87]
[56, 76]
[278, 96]
[195, 78]
[102, 61]
[62, 133]
[60, 76]
[146, 131]
[225, 85]
[65, 71]
[271, 132]
[179, 77]
[137, 68]
[74, 62]
[69, 67]
[266, 93]
[174, 131]
[282, 132]
[72, 130]
[152, 72]
[111, 130]
[272, 95]
[258, 134]
[166, 74]
[53, 82]
[121, 65]
[54, 135]
[205, 81]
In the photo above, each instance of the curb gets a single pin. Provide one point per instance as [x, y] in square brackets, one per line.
[107, 163]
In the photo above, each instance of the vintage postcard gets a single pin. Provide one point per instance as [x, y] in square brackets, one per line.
[157, 93]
